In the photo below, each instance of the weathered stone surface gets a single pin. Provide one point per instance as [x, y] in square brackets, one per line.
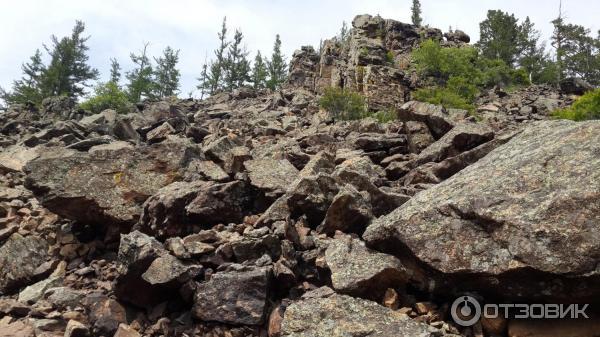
[107, 187]
[17, 329]
[270, 175]
[438, 119]
[234, 297]
[511, 213]
[359, 271]
[168, 269]
[19, 258]
[350, 211]
[575, 85]
[341, 316]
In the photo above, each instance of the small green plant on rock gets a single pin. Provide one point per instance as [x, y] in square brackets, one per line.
[585, 108]
[343, 104]
[107, 96]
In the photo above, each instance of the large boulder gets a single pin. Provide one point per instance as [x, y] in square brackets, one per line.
[522, 221]
[237, 296]
[19, 258]
[341, 316]
[107, 186]
[175, 207]
[575, 85]
[359, 271]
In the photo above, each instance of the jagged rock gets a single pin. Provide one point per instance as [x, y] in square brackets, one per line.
[359, 271]
[105, 314]
[125, 330]
[438, 119]
[34, 292]
[575, 85]
[234, 297]
[218, 149]
[322, 162]
[15, 157]
[350, 211]
[13, 308]
[270, 175]
[168, 269]
[208, 170]
[107, 187]
[457, 36]
[17, 329]
[19, 257]
[418, 136]
[63, 297]
[76, 329]
[58, 107]
[341, 315]
[507, 216]
[160, 133]
[173, 208]
[311, 196]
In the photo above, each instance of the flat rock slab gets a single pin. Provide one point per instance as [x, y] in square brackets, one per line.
[342, 316]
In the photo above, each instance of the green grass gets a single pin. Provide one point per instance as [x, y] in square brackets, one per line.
[585, 108]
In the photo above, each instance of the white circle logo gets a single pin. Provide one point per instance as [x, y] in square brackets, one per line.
[465, 311]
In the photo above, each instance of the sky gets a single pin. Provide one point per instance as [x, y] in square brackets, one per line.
[118, 27]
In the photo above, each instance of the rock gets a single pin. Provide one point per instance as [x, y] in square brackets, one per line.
[341, 315]
[160, 133]
[208, 170]
[17, 329]
[457, 36]
[438, 119]
[58, 107]
[270, 175]
[219, 149]
[234, 297]
[506, 217]
[350, 211]
[107, 187]
[14, 158]
[19, 258]
[13, 308]
[63, 297]
[575, 85]
[76, 329]
[168, 269]
[125, 330]
[359, 271]
[418, 136]
[311, 196]
[34, 292]
[105, 314]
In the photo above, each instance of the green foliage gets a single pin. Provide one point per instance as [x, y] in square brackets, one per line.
[586, 107]
[259, 72]
[384, 116]
[416, 13]
[237, 66]
[389, 57]
[277, 66]
[445, 97]
[343, 104]
[107, 96]
[140, 82]
[115, 71]
[28, 88]
[499, 36]
[166, 75]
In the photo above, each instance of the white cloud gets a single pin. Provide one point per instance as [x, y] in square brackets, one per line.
[120, 26]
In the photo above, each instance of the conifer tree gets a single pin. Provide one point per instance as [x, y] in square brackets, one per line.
[416, 13]
[259, 72]
[237, 67]
[499, 36]
[115, 71]
[277, 67]
[217, 67]
[166, 74]
[140, 82]
[204, 85]
[28, 88]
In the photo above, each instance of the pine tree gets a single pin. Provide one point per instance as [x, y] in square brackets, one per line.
[166, 74]
[115, 71]
[344, 35]
[259, 72]
[28, 88]
[531, 56]
[499, 37]
[204, 85]
[237, 67]
[557, 42]
[68, 71]
[140, 83]
[217, 67]
[277, 67]
[416, 13]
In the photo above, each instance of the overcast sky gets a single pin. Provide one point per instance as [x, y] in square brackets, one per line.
[118, 27]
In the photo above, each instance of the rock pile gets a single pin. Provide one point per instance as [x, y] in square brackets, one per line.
[252, 213]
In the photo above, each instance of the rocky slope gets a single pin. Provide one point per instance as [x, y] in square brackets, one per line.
[253, 213]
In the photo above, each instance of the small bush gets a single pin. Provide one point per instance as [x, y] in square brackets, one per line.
[384, 116]
[343, 104]
[107, 96]
[389, 57]
[443, 96]
[585, 108]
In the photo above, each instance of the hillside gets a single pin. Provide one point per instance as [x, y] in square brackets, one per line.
[257, 212]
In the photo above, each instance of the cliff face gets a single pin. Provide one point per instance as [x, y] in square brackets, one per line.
[373, 60]
[254, 213]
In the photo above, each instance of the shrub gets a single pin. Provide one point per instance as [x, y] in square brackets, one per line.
[586, 107]
[343, 104]
[107, 96]
[389, 57]
[443, 96]
[384, 116]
